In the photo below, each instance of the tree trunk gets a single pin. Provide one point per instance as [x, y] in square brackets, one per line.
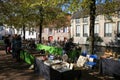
[41, 23]
[92, 22]
[23, 32]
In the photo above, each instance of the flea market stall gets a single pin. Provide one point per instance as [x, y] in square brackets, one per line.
[110, 67]
[48, 62]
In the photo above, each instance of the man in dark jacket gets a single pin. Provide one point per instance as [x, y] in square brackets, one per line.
[69, 46]
[7, 44]
[18, 45]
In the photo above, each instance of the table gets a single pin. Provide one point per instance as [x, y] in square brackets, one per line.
[29, 55]
[51, 74]
[110, 67]
[50, 49]
[58, 51]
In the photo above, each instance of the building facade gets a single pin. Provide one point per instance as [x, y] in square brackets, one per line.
[107, 27]
[58, 34]
[29, 33]
[3, 31]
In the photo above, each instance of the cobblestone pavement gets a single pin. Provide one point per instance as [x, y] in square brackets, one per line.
[12, 70]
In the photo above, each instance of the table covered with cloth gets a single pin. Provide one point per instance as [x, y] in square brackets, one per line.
[110, 67]
[51, 74]
[27, 56]
[50, 49]
[58, 51]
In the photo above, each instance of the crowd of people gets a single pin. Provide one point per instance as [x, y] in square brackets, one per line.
[13, 45]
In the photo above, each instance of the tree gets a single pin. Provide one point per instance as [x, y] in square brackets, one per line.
[79, 5]
[15, 15]
[105, 7]
[41, 6]
[92, 22]
[22, 13]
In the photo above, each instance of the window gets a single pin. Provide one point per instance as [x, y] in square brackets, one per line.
[77, 21]
[65, 29]
[96, 30]
[108, 30]
[118, 14]
[58, 30]
[85, 20]
[77, 30]
[50, 31]
[31, 31]
[118, 28]
[96, 18]
[85, 30]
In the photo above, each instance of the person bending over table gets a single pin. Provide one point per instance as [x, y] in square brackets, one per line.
[107, 54]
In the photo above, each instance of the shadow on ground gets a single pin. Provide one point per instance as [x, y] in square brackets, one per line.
[12, 70]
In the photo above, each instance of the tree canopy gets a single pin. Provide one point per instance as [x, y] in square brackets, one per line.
[23, 13]
[45, 13]
[26, 11]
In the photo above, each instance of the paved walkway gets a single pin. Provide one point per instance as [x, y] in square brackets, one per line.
[12, 70]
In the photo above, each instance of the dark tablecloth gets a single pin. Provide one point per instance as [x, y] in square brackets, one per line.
[52, 74]
[110, 67]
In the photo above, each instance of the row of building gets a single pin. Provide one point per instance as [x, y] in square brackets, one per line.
[107, 29]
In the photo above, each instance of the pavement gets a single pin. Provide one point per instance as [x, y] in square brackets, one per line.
[12, 70]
